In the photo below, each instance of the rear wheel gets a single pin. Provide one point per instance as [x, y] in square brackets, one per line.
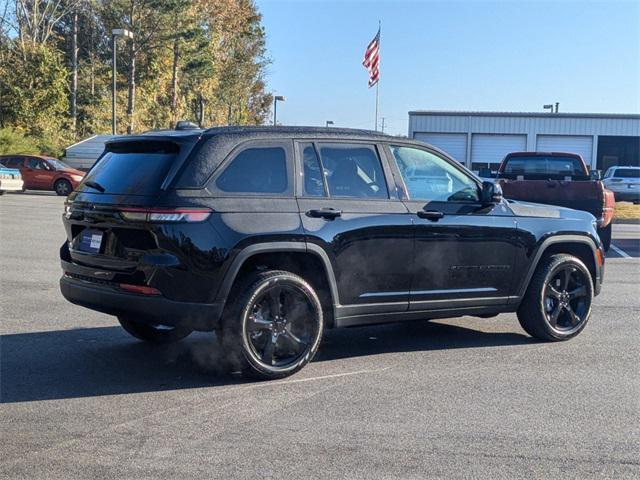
[153, 333]
[605, 237]
[557, 304]
[273, 325]
[62, 187]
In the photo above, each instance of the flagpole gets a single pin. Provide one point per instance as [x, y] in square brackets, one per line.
[379, 59]
[377, 104]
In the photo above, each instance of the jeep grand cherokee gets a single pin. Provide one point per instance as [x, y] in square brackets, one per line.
[270, 235]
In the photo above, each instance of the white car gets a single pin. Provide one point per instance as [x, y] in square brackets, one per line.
[10, 180]
[624, 182]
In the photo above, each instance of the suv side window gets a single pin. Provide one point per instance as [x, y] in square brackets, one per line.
[431, 178]
[13, 162]
[36, 164]
[313, 175]
[256, 170]
[353, 170]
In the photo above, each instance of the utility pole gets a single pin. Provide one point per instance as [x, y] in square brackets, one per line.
[74, 69]
[113, 87]
[115, 33]
[276, 99]
[383, 118]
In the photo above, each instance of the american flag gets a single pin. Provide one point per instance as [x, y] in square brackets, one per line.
[372, 60]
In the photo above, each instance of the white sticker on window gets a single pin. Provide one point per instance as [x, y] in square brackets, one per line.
[96, 240]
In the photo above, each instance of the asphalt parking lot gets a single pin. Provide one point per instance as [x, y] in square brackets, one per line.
[461, 398]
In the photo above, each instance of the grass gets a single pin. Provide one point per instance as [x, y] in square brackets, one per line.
[627, 211]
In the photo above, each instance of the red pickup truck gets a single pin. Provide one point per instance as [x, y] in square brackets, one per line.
[558, 179]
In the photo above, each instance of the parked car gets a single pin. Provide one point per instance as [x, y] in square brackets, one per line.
[44, 173]
[10, 180]
[624, 182]
[270, 235]
[562, 179]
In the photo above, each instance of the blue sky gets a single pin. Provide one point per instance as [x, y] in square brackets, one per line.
[453, 55]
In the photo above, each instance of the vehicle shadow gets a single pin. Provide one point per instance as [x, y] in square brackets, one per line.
[106, 361]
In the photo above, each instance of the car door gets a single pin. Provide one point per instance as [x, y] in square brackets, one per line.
[464, 250]
[39, 174]
[350, 210]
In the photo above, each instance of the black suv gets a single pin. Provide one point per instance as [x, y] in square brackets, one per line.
[269, 235]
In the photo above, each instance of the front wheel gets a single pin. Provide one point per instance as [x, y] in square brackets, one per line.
[153, 333]
[273, 324]
[605, 237]
[557, 304]
[62, 187]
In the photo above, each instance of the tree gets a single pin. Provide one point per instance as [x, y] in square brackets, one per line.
[190, 59]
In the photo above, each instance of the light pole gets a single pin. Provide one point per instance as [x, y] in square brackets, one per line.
[328, 122]
[276, 99]
[115, 33]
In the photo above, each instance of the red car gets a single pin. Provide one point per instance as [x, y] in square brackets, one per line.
[44, 173]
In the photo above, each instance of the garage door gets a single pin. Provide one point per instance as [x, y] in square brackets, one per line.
[489, 150]
[455, 144]
[581, 145]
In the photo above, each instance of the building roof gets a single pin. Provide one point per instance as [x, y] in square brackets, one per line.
[630, 116]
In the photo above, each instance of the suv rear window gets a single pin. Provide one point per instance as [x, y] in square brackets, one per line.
[538, 165]
[132, 169]
[627, 173]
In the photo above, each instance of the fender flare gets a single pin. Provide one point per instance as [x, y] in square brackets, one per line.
[297, 247]
[552, 241]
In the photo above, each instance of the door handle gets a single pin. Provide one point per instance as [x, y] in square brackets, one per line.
[328, 213]
[432, 215]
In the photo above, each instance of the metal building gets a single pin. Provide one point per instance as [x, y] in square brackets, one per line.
[83, 155]
[482, 139]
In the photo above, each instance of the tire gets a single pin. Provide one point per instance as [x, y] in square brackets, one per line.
[551, 294]
[605, 237]
[158, 334]
[1, 192]
[272, 325]
[62, 187]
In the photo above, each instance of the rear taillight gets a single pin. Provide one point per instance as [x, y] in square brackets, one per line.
[165, 215]
[608, 207]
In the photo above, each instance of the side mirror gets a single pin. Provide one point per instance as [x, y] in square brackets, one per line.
[594, 174]
[491, 193]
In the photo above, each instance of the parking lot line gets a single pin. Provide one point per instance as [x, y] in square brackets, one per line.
[620, 252]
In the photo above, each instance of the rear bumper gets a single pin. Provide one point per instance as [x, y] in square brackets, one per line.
[11, 185]
[145, 308]
[628, 196]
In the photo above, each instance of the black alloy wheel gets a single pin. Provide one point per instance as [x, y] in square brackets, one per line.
[276, 325]
[566, 302]
[558, 301]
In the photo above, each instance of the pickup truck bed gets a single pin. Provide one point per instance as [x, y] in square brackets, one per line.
[557, 179]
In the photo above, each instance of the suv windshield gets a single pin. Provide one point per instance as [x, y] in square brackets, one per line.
[132, 171]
